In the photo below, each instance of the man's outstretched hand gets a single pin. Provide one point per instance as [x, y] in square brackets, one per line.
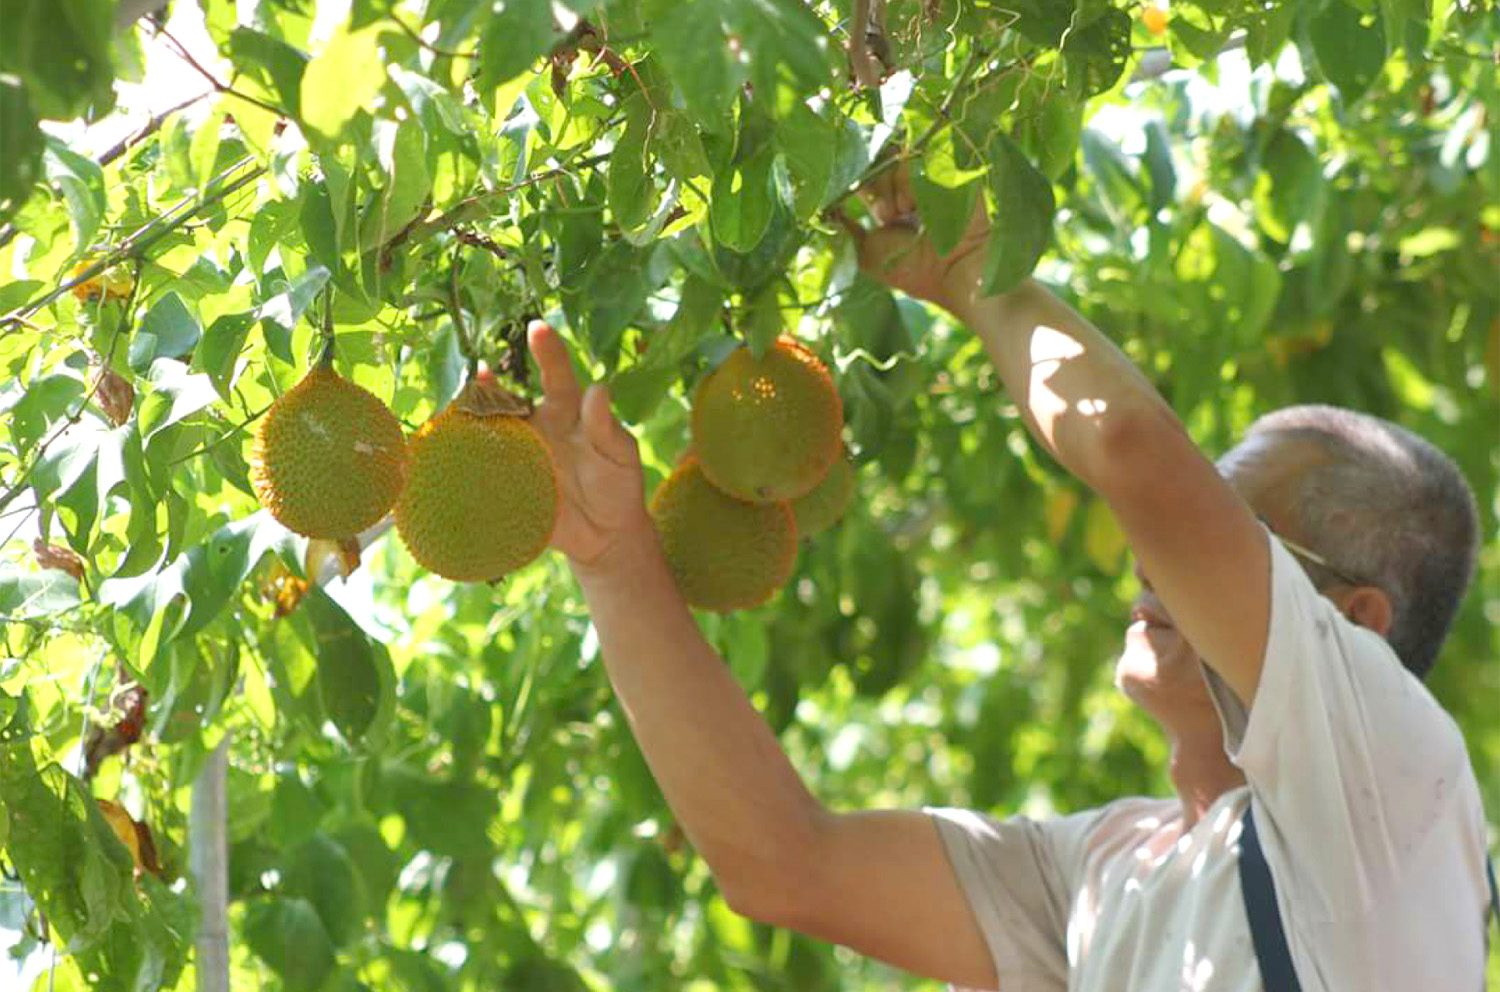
[598, 466]
[899, 253]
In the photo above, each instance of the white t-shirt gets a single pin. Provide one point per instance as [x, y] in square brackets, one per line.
[1366, 807]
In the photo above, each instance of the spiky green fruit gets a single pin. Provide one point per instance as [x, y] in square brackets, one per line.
[329, 459]
[482, 497]
[768, 429]
[822, 508]
[725, 553]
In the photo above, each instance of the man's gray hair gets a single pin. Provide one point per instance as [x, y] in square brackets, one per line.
[1388, 507]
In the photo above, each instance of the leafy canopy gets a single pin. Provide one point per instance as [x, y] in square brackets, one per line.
[430, 786]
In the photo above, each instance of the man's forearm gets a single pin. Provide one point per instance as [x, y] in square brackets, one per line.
[736, 795]
[1078, 391]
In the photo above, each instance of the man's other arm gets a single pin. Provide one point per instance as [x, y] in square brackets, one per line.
[1086, 403]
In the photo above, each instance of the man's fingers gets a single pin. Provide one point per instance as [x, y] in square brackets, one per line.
[603, 431]
[559, 385]
[883, 249]
[888, 196]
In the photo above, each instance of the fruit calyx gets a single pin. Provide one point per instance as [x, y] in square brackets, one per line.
[484, 396]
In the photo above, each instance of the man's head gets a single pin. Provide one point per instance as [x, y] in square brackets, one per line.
[1389, 514]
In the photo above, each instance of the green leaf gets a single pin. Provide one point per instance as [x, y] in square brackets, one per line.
[82, 184]
[321, 872]
[1350, 47]
[781, 39]
[631, 191]
[697, 312]
[1022, 217]
[342, 81]
[694, 50]
[219, 353]
[636, 392]
[44, 400]
[406, 184]
[516, 34]
[21, 137]
[448, 818]
[60, 49]
[806, 142]
[350, 682]
[946, 211]
[1049, 124]
[67, 459]
[175, 394]
[278, 66]
[751, 270]
[1160, 171]
[289, 937]
[1289, 190]
[69, 860]
[1192, 44]
[1112, 172]
[742, 200]
[169, 330]
[319, 227]
[279, 314]
[764, 323]
[25, 595]
[1096, 53]
[677, 143]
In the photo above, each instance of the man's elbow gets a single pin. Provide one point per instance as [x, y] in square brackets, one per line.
[776, 886]
[1133, 447]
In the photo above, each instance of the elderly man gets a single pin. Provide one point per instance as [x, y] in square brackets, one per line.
[1327, 827]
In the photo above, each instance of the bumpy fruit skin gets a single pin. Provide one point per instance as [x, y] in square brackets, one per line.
[822, 508]
[768, 430]
[726, 554]
[329, 458]
[482, 496]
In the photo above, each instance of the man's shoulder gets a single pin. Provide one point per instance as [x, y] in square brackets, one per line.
[1130, 821]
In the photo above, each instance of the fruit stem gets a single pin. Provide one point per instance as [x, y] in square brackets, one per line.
[325, 355]
[460, 331]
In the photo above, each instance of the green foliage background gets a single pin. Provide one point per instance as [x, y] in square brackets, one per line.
[431, 786]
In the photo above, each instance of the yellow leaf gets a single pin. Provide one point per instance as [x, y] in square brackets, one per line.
[124, 827]
[1058, 512]
[1102, 537]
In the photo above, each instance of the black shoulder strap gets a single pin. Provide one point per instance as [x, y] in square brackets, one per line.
[1489, 867]
[1266, 930]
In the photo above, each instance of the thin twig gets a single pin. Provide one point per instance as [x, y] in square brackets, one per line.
[149, 128]
[466, 345]
[8, 232]
[860, 59]
[942, 118]
[204, 449]
[187, 56]
[144, 237]
[411, 33]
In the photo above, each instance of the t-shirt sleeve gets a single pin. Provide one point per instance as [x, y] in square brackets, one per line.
[1019, 876]
[1349, 758]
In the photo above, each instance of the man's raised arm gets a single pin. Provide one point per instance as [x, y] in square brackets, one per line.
[877, 882]
[1200, 546]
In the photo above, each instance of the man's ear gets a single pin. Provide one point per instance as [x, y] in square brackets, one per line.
[1369, 607]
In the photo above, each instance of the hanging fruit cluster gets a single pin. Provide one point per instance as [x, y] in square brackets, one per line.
[474, 491]
[766, 466]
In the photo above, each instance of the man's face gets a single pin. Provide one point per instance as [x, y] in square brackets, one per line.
[1157, 668]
